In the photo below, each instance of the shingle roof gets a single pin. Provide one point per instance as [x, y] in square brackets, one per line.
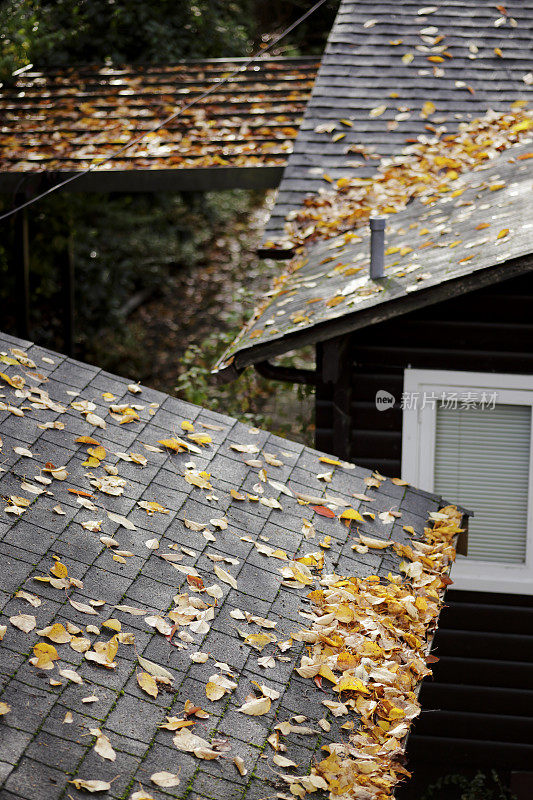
[479, 233]
[65, 120]
[383, 61]
[51, 722]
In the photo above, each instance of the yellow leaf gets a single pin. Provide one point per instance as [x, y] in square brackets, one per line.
[45, 654]
[524, 125]
[259, 640]
[128, 418]
[151, 506]
[407, 58]
[147, 683]
[327, 673]
[349, 684]
[200, 438]
[59, 570]
[114, 624]
[90, 462]
[503, 233]
[214, 691]
[378, 111]
[97, 452]
[87, 440]
[344, 613]
[351, 513]
[56, 633]
[187, 426]
[173, 444]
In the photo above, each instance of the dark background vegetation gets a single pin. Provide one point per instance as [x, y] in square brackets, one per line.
[163, 282]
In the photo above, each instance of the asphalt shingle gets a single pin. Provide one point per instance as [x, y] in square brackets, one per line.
[466, 56]
[39, 751]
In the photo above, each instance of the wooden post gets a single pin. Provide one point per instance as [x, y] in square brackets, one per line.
[67, 287]
[21, 270]
[337, 370]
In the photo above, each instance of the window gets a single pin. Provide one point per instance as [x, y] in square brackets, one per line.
[468, 437]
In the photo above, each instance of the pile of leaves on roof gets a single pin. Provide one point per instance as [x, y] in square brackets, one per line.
[368, 639]
[426, 170]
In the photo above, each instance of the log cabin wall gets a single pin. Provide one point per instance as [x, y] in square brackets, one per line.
[478, 708]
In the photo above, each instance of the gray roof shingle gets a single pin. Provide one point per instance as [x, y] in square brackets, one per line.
[478, 234]
[39, 751]
[483, 61]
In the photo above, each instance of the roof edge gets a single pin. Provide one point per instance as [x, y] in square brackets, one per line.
[347, 323]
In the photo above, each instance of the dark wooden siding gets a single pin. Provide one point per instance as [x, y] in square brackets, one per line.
[478, 709]
[490, 330]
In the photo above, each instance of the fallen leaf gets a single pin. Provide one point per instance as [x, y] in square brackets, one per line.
[376, 544]
[82, 607]
[23, 451]
[24, 622]
[91, 786]
[351, 514]
[244, 448]
[56, 633]
[166, 780]
[155, 669]
[225, 576]
[240, 765]
[281, 761]
[256, 707]
[148, 684]
[32, 599]
[123, 521]
[71, 675]
[323, 511]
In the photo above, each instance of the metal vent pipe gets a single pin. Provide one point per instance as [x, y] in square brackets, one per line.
[377, 247]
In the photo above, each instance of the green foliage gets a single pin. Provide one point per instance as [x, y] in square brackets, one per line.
[481, 786]
[70, 32]
[128, 247]
[59, 33]
[283, 408]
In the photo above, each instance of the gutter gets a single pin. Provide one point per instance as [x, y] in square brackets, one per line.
[307, 377]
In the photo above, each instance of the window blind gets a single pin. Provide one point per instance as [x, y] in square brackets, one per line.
[482, 462]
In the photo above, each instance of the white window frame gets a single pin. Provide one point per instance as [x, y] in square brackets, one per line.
[418, 459]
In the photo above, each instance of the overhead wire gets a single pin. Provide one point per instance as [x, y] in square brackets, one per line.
[215, 87]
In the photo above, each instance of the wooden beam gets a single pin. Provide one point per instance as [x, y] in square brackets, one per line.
[199, 179]
[21, 271]
[337, 370]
